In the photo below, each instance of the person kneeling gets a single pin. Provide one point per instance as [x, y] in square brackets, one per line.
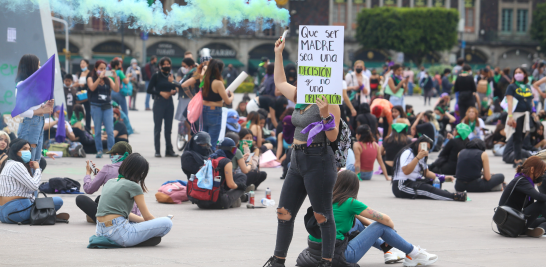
[116, 203]
[355, 234]
[471, 161]
[412, 179]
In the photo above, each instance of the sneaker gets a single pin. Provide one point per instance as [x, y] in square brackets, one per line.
[75, 151]
[423, 259]
[273, 262]
[460, 196]
[154, 241]
[394, 255]
[536, 232]
[81, 152]
[250, 188]
[324, 263]
[99, 155]
[244, 198]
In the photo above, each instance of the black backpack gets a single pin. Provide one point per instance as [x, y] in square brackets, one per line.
[42, 212]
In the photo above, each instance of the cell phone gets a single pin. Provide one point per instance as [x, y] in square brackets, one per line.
[424, 146]
[250, 157]
[108, 73]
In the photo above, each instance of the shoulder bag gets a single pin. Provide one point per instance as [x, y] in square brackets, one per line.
[510, 222]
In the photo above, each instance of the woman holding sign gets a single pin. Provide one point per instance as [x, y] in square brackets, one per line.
[312, 171]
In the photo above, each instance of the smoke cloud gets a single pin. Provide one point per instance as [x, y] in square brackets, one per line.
[200, 14]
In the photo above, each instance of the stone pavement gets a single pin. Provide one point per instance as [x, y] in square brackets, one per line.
[460, 233]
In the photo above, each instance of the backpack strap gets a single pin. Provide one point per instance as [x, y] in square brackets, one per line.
[525, 202]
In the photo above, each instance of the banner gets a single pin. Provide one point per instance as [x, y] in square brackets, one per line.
[320, 63]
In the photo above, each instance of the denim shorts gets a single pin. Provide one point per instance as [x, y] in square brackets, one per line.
[32, 130]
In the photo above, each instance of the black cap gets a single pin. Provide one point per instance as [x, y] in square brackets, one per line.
[202, 138]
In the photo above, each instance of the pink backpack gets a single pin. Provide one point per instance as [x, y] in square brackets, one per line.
[172, 193]
[195, 108]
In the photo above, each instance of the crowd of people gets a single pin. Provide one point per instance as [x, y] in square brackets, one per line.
[270, 129]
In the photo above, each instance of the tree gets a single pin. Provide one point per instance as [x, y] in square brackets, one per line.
[414, 31]
[539, 24]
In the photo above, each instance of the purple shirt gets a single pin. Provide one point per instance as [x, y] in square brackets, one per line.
[107, 172]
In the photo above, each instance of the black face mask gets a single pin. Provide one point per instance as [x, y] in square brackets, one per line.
[166, 69]
[358, 70]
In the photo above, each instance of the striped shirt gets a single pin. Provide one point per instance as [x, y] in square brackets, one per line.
[15, 181]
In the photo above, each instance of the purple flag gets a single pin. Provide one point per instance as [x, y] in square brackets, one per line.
[61, 130]
[36, 89]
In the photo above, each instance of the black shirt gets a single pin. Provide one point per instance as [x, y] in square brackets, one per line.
[266, 102]
[523, 190]
[466, 86]
[101, 95]
[451, 150]
[369, 120]
[470, 165]
[497, 137]
[121, 128]
[426, 128]
[443, 124]
[392, 148]
[160, 83]
[523, 94]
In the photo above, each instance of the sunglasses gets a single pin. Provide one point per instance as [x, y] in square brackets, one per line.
[231, 149]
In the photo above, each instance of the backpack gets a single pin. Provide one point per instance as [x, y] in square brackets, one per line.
[195, 109]
[197, 194]
[172, 193]
[482, 86]
[126, 89]
[342, 144]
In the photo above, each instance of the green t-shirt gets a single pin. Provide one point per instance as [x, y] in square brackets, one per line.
[118, 197]
[238, 156]
[344, 216]
[120, 74]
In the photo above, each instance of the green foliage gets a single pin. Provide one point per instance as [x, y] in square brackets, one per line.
[414, 31]
[432, 70]
[539, 24]
[245, 87]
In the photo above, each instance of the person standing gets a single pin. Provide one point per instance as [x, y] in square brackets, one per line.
[262, 69]
[230, 74]
[124, 81]
[100, 99]
[31, 129]
[358, 85]
[466, 88]
[69, 94]
[135, 76]
[397, 86]
[446, 83]
[184, 97]
[149, 70]
[408, 73]
[81, 83]
[163, 87]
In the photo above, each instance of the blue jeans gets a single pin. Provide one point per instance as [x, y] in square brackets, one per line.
[368, 237]
[121, 100]
[410, 89]
[21, 204]
[105, 117]
[350, 161]
[147, 102]
[32, 130]
[212, 123]
[366, 175]
[273, 140]
[128, 234]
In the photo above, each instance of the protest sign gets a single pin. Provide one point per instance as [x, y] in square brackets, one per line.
[320, 63]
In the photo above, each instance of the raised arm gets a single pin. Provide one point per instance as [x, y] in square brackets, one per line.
[288, 90]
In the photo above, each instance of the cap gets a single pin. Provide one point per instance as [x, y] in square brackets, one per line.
[227, 142]
[120, 148]
[202, 138]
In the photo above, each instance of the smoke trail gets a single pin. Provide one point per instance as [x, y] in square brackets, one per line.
[201, 14]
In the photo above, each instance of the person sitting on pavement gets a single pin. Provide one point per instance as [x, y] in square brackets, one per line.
[235, 184]
[446, 162]
[118, 199]
[120, 151]
[4, 145]
[50, 126]
[520, 194]
[252, 155]
[353, 226]
[472, 160]
[476, 123]
[19, 187]
[196, 153]
[364, 117]
[393, 144]
[366, 153]
[120, 130]
[412, 179]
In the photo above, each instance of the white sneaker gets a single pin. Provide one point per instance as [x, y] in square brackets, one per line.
[424, 258]
[394, 255]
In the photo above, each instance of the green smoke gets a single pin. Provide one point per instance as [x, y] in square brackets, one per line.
[200, 14]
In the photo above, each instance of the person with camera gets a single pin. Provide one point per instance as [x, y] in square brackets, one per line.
[412, 179]
[521, 194]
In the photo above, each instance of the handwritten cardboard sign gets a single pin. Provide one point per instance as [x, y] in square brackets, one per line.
[320, 63]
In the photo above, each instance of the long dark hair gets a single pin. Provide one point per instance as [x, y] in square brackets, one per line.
[533, 161]
[13, 149]
[347, 186]
[253, 117]
[214, 72]
[414, 148]
[365, 134]
[244, 132]
[28, 65]
[94, 74]
[135, 168]
[401, 111]
[398, 137]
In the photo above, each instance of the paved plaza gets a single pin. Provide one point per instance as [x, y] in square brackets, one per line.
[459, 233]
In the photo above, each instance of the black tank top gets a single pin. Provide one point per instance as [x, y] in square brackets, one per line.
[469, 165]
[212, 96]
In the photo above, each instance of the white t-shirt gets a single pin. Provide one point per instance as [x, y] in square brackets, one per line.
[69, 128]
[405, 159]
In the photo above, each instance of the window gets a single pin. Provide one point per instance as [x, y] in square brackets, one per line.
[469, 17]
[356, 10]
[507, 20]
[339, 14]
[522, 20]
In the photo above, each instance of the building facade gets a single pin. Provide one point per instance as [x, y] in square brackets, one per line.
[496, 33]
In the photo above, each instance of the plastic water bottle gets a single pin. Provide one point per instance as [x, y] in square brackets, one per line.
[268, 202]
[251, 197]
[436, 183]
[268, 193]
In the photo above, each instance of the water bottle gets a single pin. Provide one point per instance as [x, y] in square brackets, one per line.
[436, 183]
[251, 197]
[192, 177]
[268, 193]
[268, 202]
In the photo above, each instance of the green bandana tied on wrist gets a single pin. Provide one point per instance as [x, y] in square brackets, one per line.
[463, 131]
[399, 127]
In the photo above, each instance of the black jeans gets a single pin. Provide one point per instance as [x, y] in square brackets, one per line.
[228, 197]
[87, 108]
[419, 189]
[88, 206]
[163, 110]
[255, 177]
[312, 172]
[518, 138]
[533, 211]
[480, 184]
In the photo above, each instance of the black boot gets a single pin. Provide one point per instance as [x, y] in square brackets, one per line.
[274, 262]
[324, 263]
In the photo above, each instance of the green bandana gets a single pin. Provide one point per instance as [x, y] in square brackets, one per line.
[472, 125]
[463, 131]
[409, 114]
[202, 83]
[488, 92]
[496, 78]
[120, 176]
[121, 158]
[242, 142]
[441, 110]
[301, 106]
[399, 127]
